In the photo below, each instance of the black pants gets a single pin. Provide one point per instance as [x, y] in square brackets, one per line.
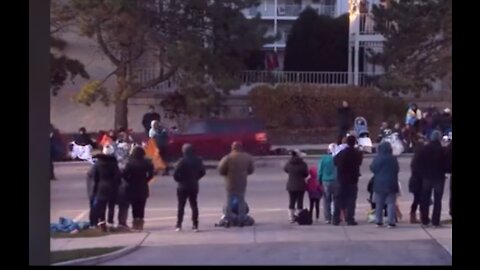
[138, 208]
[182, 196]
[296, 197]
[345, 198]
[417, 198]
[342, 132]
[100, 207]
[428, 186]
[316, 203]
[122, 211]
[91, 216]
[52, 172]
[450, 201]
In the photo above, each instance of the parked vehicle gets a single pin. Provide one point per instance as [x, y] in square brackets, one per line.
[212, 138]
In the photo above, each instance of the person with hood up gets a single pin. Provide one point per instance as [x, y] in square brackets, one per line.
[432, 169]
[385, 170]
[137, 174]
[327, 176]
[189, 171]
[148, 117]
[297, 171]
[103, 181]
[236, 167]
[348, 162]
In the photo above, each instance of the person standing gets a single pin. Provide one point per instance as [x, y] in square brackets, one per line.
[415, 182]
[83, 139]
[137, 174]
[149, 117]
[236, 167]
[327, 176]
[189, 171]
[448, 167]
[161, 137]
[348, 163]
[103, 181]
[345, 119]
[432, 169]
[315, 192]
[297, 171]
[385, 170]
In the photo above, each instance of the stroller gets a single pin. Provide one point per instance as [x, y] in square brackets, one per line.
[363, 136]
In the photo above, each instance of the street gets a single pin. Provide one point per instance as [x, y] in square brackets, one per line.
[272, 240]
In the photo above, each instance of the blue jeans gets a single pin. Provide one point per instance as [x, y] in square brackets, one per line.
[242, 209]
[329, 191]
[382, 199]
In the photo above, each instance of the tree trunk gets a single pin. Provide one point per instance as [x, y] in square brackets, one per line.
[121, 114]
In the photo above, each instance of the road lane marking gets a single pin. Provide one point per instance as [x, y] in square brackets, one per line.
[81, 215]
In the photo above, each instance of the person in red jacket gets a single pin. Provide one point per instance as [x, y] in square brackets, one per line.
[315, 192]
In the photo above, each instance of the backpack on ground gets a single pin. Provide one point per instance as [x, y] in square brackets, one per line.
[304, 218]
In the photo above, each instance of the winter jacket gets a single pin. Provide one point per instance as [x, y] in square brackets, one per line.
[236, 167]
[297, 171]
[314, 188]
[385, 170]
[189, 171]
[137, 174]
[83, 140]
[160, 136]
[104, 178]
[415, 182]
[432, 161]
[348, 163]
[327, 172]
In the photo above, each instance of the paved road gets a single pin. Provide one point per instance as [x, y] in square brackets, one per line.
[266, 195]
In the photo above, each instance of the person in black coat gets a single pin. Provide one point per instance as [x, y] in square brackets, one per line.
[415, 182]
[297, 171]
[137, 174]
[348, 163]
[103, 181]
[345, 119]
[448, 167]
[83, 139]
[189, 171]
[432, 169]
[149, 117]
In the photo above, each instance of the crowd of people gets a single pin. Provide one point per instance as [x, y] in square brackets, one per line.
[113, 181]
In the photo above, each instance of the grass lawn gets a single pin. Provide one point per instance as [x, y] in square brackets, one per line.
[68, 255]
[86, 233]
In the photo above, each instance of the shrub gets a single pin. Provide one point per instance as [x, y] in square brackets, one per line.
[312, 106]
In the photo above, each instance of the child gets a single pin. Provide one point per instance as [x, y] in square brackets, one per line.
[315, 192]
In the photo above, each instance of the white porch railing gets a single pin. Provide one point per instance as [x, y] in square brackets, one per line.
[274, 77]
[309, 77]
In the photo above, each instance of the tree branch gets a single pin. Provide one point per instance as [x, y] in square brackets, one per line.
[104, 47]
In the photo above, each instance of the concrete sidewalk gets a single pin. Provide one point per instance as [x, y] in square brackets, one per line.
[113, 240]
[269, 243]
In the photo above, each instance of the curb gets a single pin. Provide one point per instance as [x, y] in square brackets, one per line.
[104, 257]
[258, 158]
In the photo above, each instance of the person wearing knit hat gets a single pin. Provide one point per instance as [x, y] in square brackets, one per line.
[432, 169]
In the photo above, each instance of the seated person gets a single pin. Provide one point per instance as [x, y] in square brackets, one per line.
[82, 138]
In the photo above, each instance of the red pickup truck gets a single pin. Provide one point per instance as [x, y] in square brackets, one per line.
[212, 138]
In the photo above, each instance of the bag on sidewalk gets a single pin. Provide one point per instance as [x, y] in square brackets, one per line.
[304, 218]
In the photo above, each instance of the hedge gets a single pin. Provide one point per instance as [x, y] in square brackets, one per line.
[312, 106]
